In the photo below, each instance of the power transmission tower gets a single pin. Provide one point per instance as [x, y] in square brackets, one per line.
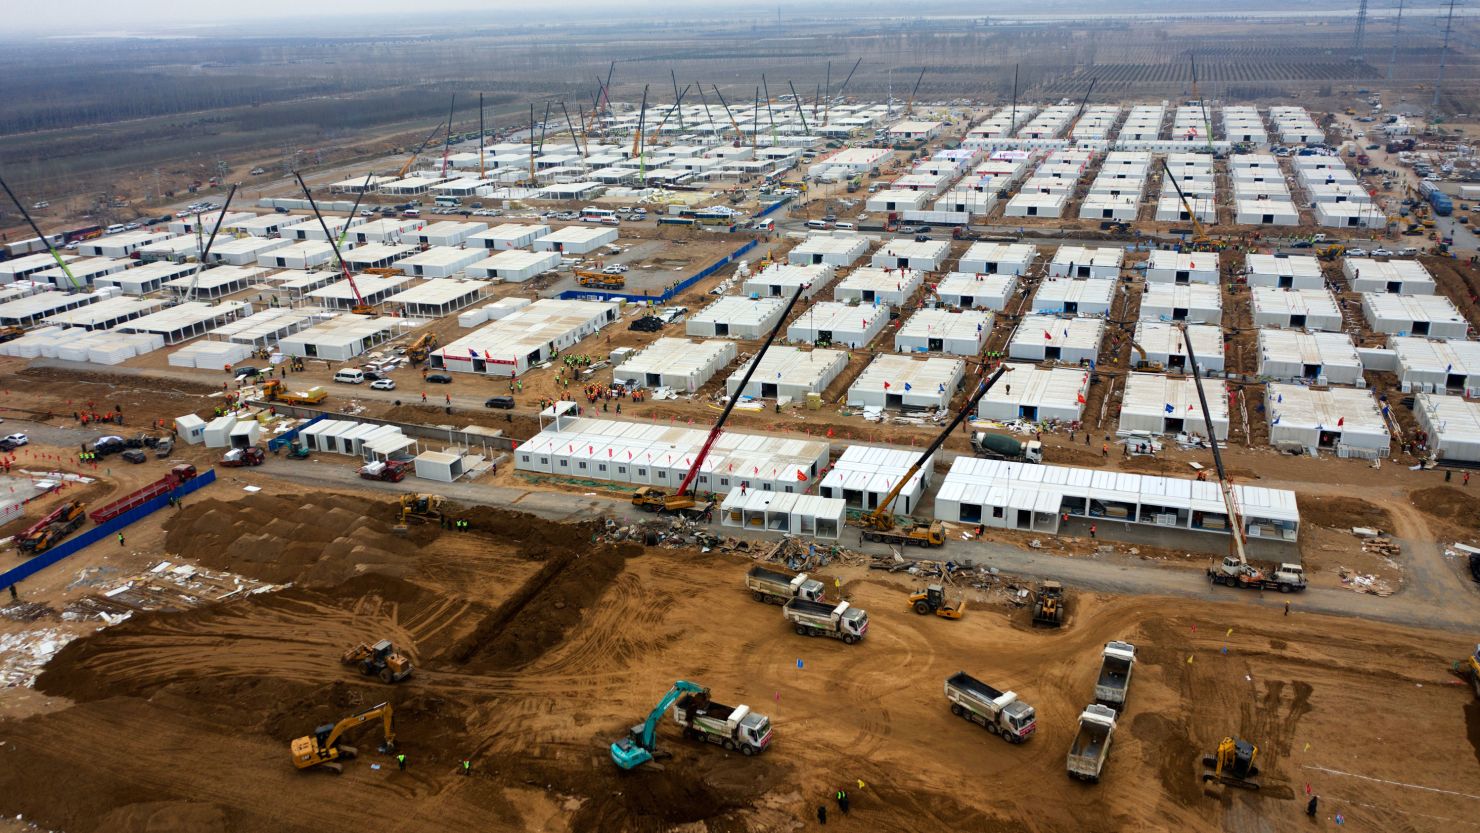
[1360, 33]
[1444, 53]
[1397, 27]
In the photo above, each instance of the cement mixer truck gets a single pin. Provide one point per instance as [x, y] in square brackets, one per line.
[1003, 447]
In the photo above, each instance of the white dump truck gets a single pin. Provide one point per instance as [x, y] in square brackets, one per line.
[1001, 712]
[733, 727]
[1116, 663]
[775, 587]
[843, 621]
[1091, 747]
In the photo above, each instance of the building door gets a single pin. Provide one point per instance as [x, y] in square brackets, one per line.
[894, 400]
[1297, 322]
[1071, 307]
[1310, 371]
[967, 301]
[1176, 362]
[1420, 328]
[1024, 519]
[1051, 354]
[1454, 381]
[1329, 439]
[1395, 287]
[1184, 276]
[1082, 272]
[768, 390]
[1286, 282]
[1179, 313]
[971, 513]
[935, 345]
[1172, 425]
[1028, 412]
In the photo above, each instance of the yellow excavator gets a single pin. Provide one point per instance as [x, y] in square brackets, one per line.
[1331, 252]
[422, 348]
[1474, 666]
[1233, 764]
[1201, 241]
[1144, 363]
[933, 600]
[323, 749]
[880, 524]
[422, 507]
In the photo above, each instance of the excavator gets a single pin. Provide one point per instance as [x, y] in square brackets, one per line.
[1233, 764]
[379, 660]
[52, 528]
[1473, 665]
[1145, 363]
[422, 348]
[1331, 252]
[641, 743]
[933, 600]
[880, 525]
[599, 280]
[1201, 242]
[1048, 607]
[322, 748]
[421, 507]
[650, 499]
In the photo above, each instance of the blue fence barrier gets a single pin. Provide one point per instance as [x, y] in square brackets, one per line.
[103, 530]
[575, 294]
[282, 440]
[775, 205]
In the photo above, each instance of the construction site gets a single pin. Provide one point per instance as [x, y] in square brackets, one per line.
[468, 479]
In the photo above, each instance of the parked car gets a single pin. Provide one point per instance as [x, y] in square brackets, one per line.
[1356, 253]
[17, 439]
[134, 455]
[372, 375]
[502, 402]
[439, 378]
[108, 445]
[383, 384]
[1381, 253]
[646, 324]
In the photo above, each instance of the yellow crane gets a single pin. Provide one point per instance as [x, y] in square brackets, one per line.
[1200, 240]
[411, 160]
[879, 525]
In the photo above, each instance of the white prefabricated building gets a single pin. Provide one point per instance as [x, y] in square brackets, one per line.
[789, 373]
[1195, 303]
[1037, 204]
[576, 240]
[368, 289]
[508, 236]
[1069, 340]
[435, 299]
[998, 258]
[1036, 394]
[1433, 316]
[1324, 358]
[969, 290]
[1086, 262]
[1182, 267]
[342, 338]
[1436, 366]
[830, 322]
[377, 255]
[733, 316]
[874, 285]
[1453, 425]
[244, 251]
[145, 279]
[447, 233]
[1401, 277]
[1074, 296]
[937, 330]
[1265, 212]
[1284, 271]
[512, 265]
[903, 253]
[786, 512]
[679, 363]
[1296, 309]
[1162, 404]
[780, 280]
[840, 250]
[906, 382]
[1164, 343]
[527, 337]
[863, 476]
[305, 254]
[439, 262]
[1345, 420]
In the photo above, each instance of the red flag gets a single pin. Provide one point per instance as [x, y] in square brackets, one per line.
[1080, 398]
[886, 386]
[801, 475]
[1048, 335]
[1340, 421]
[829, 432]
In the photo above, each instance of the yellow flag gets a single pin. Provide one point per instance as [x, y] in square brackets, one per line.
[1230, 631]
[837, 582]
[1306, 749]
[861, 785]
[1189, 659]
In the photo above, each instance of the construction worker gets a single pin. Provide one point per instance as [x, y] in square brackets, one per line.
[1092, 530]
[467, 767]
[1310, 806]
[401, 761]
[843, 801]
[120, 539]
[821, 814]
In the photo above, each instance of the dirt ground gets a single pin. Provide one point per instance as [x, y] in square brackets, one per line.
[535, 649]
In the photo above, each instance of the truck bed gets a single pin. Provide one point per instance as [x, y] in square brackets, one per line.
[809, 608]
[1112, 674]
[764, 574]
[1089, 742]
[970, 685]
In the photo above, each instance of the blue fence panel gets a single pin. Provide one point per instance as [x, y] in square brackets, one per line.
[775, 205]
[283, 439]
[97, 533]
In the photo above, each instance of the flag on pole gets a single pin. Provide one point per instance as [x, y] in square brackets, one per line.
[907, 386]
[1340, 421]
[1169, 408]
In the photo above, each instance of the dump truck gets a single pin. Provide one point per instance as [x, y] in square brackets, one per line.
[912, 534]
[1000, 711]
[733, 727]
[379, 660]
[392, 471]
[273, 390]
[52, 528]
[1091, 746]
[178, 475]
[239, 457]
[1286, 578]
[1116, 663]
[1003, 447]
[774, 587]
[842, 621]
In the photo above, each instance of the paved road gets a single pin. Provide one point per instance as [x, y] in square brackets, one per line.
[1102, 574]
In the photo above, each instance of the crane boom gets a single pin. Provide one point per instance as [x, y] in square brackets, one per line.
[55, 255]
[1082, 102]
[909, 106]
[1207, 123]
[360, 307]
[1199, 233]
[797, 100]
[406, 168]
[200, 261]
[739, 134]
[826, 117]
[688, 480]
[1230, 503]
[882, 517]
[355, 209]
[447, 145]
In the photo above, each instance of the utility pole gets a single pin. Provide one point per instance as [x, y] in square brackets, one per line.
[1397, 27]
[1443, 54]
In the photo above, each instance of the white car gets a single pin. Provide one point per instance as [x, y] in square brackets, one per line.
[383, 384]
[1381, 253]
[1356, 252]
[18, 439]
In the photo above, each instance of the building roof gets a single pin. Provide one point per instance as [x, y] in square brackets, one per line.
[1166, 338]
[1033, 386]
[875, 279]
[738, 310]
[1105, 256]
[530, 328]
[1269, 300]
[1151, 393]
[1309, 348]
[1183, 261]
[1054, 293]
[786, 365]
[1424, 355]
[366, 284]
[681, 356]
[941, 323]
[840, 317]
[1392, 306]
[106, 310]
[908, 373]
[443, 291]
[1067, 333]
[1305, 266]
[1183, 296]
[1303, 407]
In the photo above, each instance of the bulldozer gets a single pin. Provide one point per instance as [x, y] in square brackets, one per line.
[379, 660]
[422, 348]
[323, 749]
[11, 332]
[297, 451]
[421, 507]
[1048, 606]
[1233, 764]
[933, 600]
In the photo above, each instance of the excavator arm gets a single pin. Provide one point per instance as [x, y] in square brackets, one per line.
[384, 711]
[637, 748]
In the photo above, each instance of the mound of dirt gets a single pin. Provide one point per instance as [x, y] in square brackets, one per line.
[1341, 512]
[1449, 504]
[165, 817]
[317, 541]
[537, 538]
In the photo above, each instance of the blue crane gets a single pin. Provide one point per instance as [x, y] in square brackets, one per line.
[637, 748]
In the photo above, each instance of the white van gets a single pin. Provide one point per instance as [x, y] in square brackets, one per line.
[817, 224]
[350, 376]
[846, 227]
[116, 228]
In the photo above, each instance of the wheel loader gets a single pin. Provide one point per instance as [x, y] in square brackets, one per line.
[379, 660]
[1048, 606]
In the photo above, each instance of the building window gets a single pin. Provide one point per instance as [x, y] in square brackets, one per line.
[996, 511]
[524, 457]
